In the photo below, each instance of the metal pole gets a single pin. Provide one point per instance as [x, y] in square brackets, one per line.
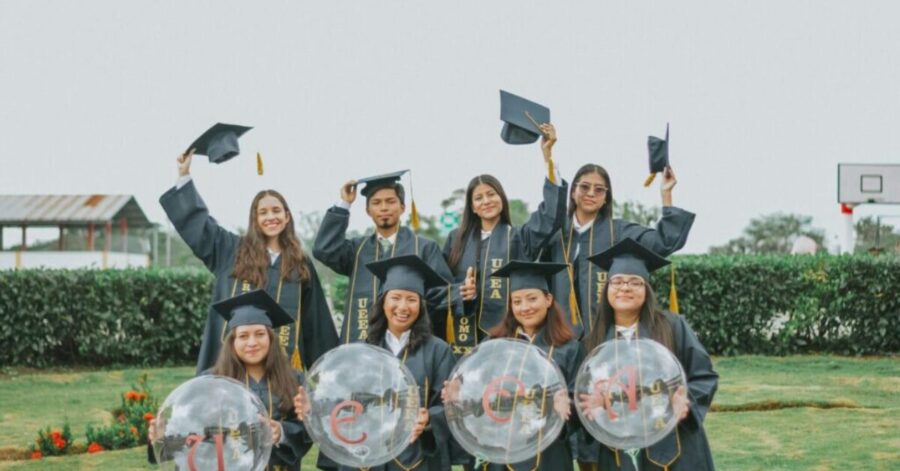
[878, 233]
[155, 245]
[168, 248]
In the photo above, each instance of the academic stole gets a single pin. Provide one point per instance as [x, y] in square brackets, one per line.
[464, 336]
[662, 453]
[575, 312]
[284, 332]
[360, 305]
[396, 401]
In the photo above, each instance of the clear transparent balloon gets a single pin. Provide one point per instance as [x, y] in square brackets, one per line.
[501, 408]
[364, 403]
[209, 422]
[630, 385]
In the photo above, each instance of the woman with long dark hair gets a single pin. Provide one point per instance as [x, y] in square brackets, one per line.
[269, 256]
[486, 240]
[590, 228]
[400, 324]
[251, 356]
[628, 309]
[534, 316]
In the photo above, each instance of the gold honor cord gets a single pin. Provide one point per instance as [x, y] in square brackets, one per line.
[268, 390]
[537, 462]
[397, 399]
[515, 397]
[574, 313]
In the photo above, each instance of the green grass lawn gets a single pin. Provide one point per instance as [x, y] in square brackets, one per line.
[862, 434]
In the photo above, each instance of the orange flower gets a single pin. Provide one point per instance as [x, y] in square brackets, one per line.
[134, 430]
[132, 396]
[95, 447]
[55, 435]
[59, 443]
[36, 455]
[149, 416]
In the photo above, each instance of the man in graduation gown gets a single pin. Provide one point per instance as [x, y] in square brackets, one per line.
[385, 203]
[217, 248]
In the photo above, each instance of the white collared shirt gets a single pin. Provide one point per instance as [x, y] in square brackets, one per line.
[485, 234]
[522, 335]
[392, 239]
[394, 344]
[581, 228]
[626, 332]
[273, 256]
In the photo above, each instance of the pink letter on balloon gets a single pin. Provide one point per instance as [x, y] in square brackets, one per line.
[335, 421]
[495, 387]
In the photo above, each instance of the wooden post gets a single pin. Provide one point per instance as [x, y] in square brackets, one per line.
[107, 243]
[90, 241]
[24, 240]
[62, 240]
[123, 229]
[1, 238]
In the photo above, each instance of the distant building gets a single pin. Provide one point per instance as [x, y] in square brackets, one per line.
[95, 231]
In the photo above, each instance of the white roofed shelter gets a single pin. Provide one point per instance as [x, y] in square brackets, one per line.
[95, 231]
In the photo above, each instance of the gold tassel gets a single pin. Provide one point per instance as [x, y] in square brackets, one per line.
[414, 217]
[673, 295]
[551, 175]
[649, 179]
[451, 335]
[573, 306]
[296, 363]
[259, 164]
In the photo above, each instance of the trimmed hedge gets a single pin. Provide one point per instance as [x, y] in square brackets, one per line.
[736, 304]
[102, 317]
[789, 304]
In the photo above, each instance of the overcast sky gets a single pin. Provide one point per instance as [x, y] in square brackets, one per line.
[765, 98]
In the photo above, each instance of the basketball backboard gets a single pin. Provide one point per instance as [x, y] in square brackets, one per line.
[869, 183]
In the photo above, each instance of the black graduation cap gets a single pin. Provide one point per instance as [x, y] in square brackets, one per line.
[219, 142]
[523, 274]
[659, 155]
[628, 257]
[521, 119]
[252, 308]
[379, 181]
[407, 272]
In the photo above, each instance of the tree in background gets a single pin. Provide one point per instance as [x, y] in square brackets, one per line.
[870, 235]
[772, 234]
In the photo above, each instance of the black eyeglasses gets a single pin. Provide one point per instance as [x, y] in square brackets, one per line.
[633, 283]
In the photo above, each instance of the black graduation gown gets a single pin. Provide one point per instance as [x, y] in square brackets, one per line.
[559, 455]
[430, 364]
[296, 443]
[217, 248]
[505, 243]
[685, 448]
[568, 246]
[349, 257]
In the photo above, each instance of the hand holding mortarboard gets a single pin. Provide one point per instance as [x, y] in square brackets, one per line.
[548, 139]
[348, 192]
[184, 163]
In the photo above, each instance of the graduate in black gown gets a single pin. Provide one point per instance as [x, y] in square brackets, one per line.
[629, 310]
[251, 356]
[534, 316]
[269, 257]
[385, 204]
[590, 228]
[486, 240]
[401, 325]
